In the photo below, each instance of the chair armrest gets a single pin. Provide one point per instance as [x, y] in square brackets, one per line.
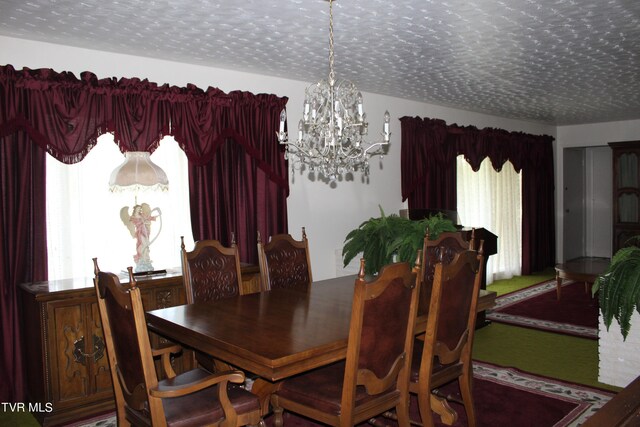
[165, 357]
[182, 390]
[166, 348]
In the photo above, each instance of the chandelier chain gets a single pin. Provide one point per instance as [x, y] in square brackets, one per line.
[332, 74]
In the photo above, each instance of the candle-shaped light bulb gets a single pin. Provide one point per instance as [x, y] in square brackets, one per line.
[314, 110]
[359, 104]
[305, 114]
[385, 126]
[300, 129]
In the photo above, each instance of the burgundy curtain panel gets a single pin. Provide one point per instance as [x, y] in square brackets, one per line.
[428, 158]
[23, 246]
[237, 172]
[429, 183]
[43, 111]
[538, 206]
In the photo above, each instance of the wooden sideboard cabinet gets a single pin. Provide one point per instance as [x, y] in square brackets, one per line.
[64, 351]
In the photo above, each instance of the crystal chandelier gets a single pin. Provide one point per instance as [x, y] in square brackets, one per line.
[333, 124]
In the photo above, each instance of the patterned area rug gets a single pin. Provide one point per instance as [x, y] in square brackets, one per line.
[511, 397]
[504, 397]
[106, 420]
[537, 307]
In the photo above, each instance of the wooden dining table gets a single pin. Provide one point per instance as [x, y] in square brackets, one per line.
[272, 334]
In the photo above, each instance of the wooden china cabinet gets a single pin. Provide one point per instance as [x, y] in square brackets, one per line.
[626, 191]
[64, 351]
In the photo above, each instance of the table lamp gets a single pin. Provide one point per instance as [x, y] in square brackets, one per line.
[138, 173]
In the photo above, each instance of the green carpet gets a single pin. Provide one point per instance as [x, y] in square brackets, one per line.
[518, 282]
[559, 356]
[18, 419]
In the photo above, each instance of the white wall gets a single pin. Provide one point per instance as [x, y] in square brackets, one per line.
[589, 135]
[328, 213]
[599, 186]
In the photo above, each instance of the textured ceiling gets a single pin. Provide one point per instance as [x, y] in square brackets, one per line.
[552, 61]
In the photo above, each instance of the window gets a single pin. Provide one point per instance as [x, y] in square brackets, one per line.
[83, 216]
[493, 200]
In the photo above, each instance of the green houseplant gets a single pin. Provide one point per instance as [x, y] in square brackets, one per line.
[619, 287]
[381, 239]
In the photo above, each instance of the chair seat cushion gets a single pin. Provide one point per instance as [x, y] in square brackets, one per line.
[441, 374]
[322, 389]
[202, 407]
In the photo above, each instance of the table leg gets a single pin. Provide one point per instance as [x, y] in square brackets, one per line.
[558, 285]
[264, 389]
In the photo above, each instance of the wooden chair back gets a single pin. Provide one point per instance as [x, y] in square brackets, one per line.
[448, 342]
[374, 377]
[211, 271]
[380, 334]
[284, 262]
[128, 349]
[440, 250]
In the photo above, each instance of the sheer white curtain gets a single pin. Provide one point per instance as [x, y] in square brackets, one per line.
[493, 200]
[83, 216]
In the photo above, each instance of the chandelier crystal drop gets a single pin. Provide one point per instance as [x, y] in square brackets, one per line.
[333, 126]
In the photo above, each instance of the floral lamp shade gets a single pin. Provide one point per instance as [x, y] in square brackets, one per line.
[137, 173]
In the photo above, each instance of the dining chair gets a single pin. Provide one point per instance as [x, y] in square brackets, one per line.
[374, 377]
[442, 249]
[195, 397]
[445, 353]
[284, 262]
[211, 272]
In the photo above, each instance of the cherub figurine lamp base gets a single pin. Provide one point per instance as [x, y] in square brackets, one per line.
[139, 224]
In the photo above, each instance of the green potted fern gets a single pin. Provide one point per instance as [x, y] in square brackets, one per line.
[390, 238]
[619, 287]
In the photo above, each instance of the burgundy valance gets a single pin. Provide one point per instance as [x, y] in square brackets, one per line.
[65, 115]
[426, 142]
